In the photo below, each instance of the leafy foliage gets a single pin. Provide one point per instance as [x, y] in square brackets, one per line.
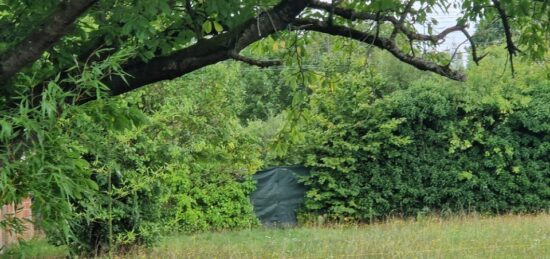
[432, 146]
[186, 169]
[42, 155]
[118, 172]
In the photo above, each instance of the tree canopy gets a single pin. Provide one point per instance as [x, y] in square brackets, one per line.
[54, 40]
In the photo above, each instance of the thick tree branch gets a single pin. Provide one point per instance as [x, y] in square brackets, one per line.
[51, 30]
[227, 45]
[260, 63]
[269, 22]
[205, 52]
[351, 14]
[224, 46]
[380, 42]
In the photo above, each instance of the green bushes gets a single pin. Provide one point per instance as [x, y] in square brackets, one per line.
[433, 146]
[171, 158]
[118, 172]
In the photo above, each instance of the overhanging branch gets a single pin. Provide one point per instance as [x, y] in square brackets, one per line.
[260, 63]
[43, 38]
[228, 44]
[398, 24]
[205, 52]
[380, 42]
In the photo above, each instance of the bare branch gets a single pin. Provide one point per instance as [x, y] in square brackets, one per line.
[443, 34]
[455, 52]
[43, 38]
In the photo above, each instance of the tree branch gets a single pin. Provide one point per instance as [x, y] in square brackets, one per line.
[397, 23]
[43, 38]
[402, 18]
[380, 42]
[350, 14]
[206, 52]
[260, 63]
[512, 49]
[473, 47]
[227, 46]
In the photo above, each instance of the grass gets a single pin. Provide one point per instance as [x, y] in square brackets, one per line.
[36, 249]
[512, 236]
[466, 237]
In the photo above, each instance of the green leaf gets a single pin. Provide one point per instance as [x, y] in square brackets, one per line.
[207, 26]
[7, 129]
[218, 27]
[465, 175]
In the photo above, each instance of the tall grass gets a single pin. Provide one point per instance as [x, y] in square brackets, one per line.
[431, 237]
[37, 248]
[510, 236]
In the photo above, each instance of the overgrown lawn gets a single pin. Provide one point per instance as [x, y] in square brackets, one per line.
[466, 237]
[511, 236]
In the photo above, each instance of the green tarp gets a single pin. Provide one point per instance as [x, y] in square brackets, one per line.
[278, 194]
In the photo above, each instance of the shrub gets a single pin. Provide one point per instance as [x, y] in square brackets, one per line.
[429, 147]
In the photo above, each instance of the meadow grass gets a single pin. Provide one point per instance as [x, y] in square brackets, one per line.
[510, 236]
[37, 248]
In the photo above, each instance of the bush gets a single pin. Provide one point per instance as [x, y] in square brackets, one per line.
[433, 146]
[171, 158]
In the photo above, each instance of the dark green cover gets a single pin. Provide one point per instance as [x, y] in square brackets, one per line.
[278, 194]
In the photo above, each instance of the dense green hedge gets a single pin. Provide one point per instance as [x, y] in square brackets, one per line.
[430, 147]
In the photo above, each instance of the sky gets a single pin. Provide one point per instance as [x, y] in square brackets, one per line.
[453, 40]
